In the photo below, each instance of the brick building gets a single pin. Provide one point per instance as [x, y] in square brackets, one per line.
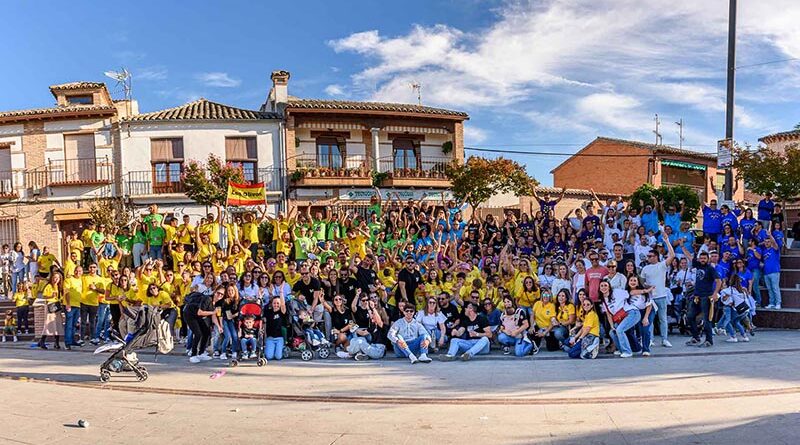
[779, 142]
[620, 166]
[55, 161]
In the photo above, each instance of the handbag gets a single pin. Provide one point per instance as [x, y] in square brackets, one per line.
[742, 308]
[618, 316]
[52, 308]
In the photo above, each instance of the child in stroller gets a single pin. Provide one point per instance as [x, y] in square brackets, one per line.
[305, 337]
[251, 333]
[149, 332]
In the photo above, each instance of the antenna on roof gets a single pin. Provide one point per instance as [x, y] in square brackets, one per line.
[123, 78]
[680, 132]
[416, 86]
[658, 135]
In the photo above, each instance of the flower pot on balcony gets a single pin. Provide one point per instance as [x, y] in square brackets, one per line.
[314, 172]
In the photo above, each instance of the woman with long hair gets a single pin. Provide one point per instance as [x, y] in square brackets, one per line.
[341, 321]
[230, 312]
[640, 298]
[563, 279]
[622, 316]
[585, 343]
[514, 327]
[197, 315]
[736, 309]
[433, 320]
[528, 296]
[565, 315]
[53, 294]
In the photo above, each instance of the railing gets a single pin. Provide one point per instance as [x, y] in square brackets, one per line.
[411, 167]
[80, 171]
[334, 165]
[151, 182]
[271, 177]
[7, 184]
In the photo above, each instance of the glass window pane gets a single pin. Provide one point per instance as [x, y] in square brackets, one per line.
[174, 172]
[160, 172]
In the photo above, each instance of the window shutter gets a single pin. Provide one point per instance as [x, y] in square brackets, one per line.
[165, 150]
[240, 149]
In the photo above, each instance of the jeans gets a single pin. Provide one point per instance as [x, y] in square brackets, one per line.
[273, 350]
[695, 309]
[663, 324]
[103, 321]
[645, 332]
[618, 334]
[22, 318]
[436, 334]
[561, 333]
[73, 315]
[506, 340]
[772, 281]
[156, 253]
[16, 278]
[231, 336]
[521, 346]
[88, 320]
[732, 322]
[576, 350]
[139, 254]
[472, 347]
[757, 285]
[413, 346]
[249, 343]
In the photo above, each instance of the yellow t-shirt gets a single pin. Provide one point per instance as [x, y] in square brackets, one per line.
[593, 321]
[388, 277]
[519, 280]
[218, 265]
[86, 237]
[104, 263]
[212, 229]
[69, 268]
[528, 299]
[73, 290]
[564, 313]
[169, 233]
[205, 251]
[132, 298]
[187, 237]
[293, 278]
[278, 229]
[357, 245]
[50, 293]
[542, 313]
[20, 299]
[283, 246]
[116, 294]
[250, 232]
[238, 260]
[177, 258]
[143, 283]
[45, 261]
[466, 290]
[76, 246]
[91, 297]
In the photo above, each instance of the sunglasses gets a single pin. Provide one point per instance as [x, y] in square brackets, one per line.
[364, 300]
[409, 311]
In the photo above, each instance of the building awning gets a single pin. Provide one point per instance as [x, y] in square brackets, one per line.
[331, 126]
[683, 164]
[409, 129]
[71, 214]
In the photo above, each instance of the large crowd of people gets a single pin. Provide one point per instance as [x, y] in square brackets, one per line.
[414, 277]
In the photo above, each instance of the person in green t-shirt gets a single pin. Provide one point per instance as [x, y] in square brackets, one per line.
[375, 204]
[375, 227]
[139, 249]
[334, 227]
[303, 244]
[125, 243]
[317, 224]
[155, 238]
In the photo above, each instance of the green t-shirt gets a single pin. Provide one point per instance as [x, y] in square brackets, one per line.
[152, 220]
[374, 229]
[156, 236]
[97, 239]
[302, 246]
[318, 230]
[125, 242]
[376, 208]
[325, 254]
[334, 230]
[139, 237]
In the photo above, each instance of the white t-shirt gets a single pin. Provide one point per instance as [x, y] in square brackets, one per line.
[656, 275]
[608, 241]
[732, 297]
[430, 321]
[640, 253]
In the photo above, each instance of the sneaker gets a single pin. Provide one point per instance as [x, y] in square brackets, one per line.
[15, 339]
[731, 340]
[744, 339]
[188, 353]
[595, 351]
[465, 357]
[625, 355]
[342, 354]
[4, 339]
[204, 357]
[424, 358]
[777, 306]
[223, 356]
[769, 306]
[95, 341]
[361, 357]
[645, 354]
[706, 344]
[315, 342]
[252, 355]
[412, 358]
[617, 353]
[216, 354]
[506, 349]
[693, 342]
[194, 359]
[447, 358]
[665, 343]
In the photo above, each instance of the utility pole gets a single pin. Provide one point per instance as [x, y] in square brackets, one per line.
[731, 87]
[657, 133]
[680, 132]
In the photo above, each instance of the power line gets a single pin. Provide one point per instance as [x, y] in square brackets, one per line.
[549, 153]
[768, 63]
[565, 144]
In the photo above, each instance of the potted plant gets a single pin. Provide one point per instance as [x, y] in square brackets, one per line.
[447, 147]
[314, 172]
[297, 175]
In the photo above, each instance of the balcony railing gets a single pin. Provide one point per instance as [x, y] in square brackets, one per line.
[69, 172]
[271, 177]
[411, 167]
[151, 182]
[334, 165]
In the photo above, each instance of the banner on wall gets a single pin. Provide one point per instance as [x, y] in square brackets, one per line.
[404, 195]
[246, 194]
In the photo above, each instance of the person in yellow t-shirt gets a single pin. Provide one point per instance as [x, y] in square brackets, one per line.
[90, 302]
[291, 275]
[73, 292]
[205, 247]
[171, 231]
[544, 312]
[45, 261]
[237, 258]
[284, 243]
[108, 264]
[586, 343]
[21, 302]
[565, 315]
[69, 265]
[146, 275]
[52, 292]
[212, 226]
[75, 245]
[356, 240]
[529, 295]
[186, 232]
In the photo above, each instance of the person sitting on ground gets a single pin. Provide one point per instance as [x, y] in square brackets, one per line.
[586, 343]
[514, 329]
[472, 337]
[409, 337]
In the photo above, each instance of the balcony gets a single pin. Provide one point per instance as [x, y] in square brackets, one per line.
[7, 190]
[152, 182]
[271, 177]
[70, 172]
[414, 172]
[332, 171]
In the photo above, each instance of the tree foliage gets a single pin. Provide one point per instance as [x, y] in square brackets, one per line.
[479, 179]
[109, 212]
[207, 183]
[668, 195]
[768, 170]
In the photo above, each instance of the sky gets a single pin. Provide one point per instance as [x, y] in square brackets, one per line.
[542, 76]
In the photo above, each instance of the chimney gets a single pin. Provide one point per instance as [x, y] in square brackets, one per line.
[279, 94]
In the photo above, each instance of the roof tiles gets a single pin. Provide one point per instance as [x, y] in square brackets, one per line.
[204, 109]
[320, 104]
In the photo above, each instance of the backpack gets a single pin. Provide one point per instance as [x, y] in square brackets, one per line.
[165, 340]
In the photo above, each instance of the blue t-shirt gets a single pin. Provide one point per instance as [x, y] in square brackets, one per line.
[746, 226]
[765, 209]
[723, 270]
[779, 238]
[673, 221]
[772, 260]
[734, 250]
[753, 263]
[705, 279]
[712, 220]
[650, 221]
[546, 206]
[746, 277]
[688, 241]
[731, 219]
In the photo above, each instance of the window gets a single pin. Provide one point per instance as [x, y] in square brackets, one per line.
[405, 154]
[166, 156]
[329, 152]
[8, 231]
[242, 153]
[85, 99]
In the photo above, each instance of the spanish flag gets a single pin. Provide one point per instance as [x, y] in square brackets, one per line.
[246, 194]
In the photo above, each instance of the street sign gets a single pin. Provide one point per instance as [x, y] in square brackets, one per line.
[724, 153]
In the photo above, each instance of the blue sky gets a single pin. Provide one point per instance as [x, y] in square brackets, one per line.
[544, 76]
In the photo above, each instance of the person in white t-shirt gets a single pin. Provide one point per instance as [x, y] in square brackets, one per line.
[654, 274]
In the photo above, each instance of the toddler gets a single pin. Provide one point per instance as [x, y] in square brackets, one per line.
[10, 326]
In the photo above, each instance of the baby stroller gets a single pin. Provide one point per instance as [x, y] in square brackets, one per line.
[149, 332]
[252, 309]
[304, 337]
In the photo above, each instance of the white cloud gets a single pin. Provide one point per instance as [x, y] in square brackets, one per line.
[474, 135]
[612, 110]
[150, 73]
[218, 79]
[334, 90]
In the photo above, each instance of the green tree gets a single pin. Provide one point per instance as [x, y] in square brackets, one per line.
[668, 195]
[768, 170]
[207, 183]
[479, 179]
[109, 212]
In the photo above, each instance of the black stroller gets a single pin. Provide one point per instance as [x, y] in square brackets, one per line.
[124, 359]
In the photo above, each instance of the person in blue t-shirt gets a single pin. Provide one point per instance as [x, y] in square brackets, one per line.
[546, 203]
[777, 233]
[732, 246]
[673, 216]
[753, 262]
[730, 217]
[649, 218]
[771, 256]
[759, 234]
[765, 209]
[724, 266]
[684, 236]
[712, 220]
[746, 225]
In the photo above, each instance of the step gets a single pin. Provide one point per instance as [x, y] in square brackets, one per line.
[777, 318]
[790, 298]
[791, 261]
[790, 278]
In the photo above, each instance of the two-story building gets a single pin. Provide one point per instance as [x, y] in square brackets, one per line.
[55, 161]
[157, 146]
[337, 150]
[779, 142]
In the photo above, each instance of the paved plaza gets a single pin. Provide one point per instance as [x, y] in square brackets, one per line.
[733, 393]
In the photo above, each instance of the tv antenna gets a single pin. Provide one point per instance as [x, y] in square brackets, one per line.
[657, 133]
[123, 78]
[416, 86]
[680, 132]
